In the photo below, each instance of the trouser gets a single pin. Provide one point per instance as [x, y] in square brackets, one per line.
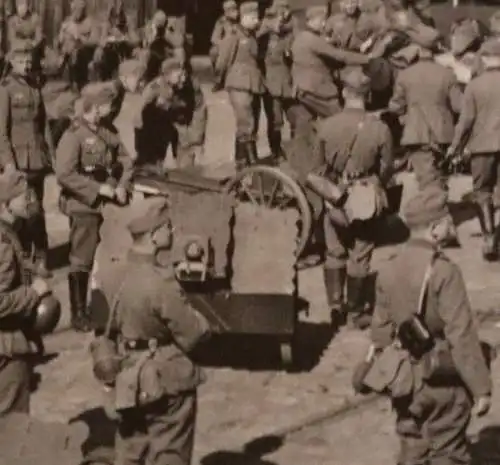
[84, 238]
[182, 145]
[275, 108]
[15, 380]
[437, 436]
[33, 233]
[159, 434]
[485, 171]
[425, 164]
[246, 109]
[77, 63]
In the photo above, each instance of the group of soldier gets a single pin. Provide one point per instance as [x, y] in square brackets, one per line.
[342, 82]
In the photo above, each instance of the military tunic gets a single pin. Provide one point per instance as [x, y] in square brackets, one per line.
[439, 432]
[151, 305]
[87, 157]
[171, 116]
[428, 96]
[23, 144]
[18, 301]
[239, 70]
[223, 28]
[25, 31]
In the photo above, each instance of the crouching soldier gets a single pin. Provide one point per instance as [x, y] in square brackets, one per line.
[23, 145]
[92, 168]
[155, 329]
[172, 111]
[356, 146]
[427, 354]
[225, 25]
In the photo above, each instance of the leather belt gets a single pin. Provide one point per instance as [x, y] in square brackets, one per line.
[145, 344]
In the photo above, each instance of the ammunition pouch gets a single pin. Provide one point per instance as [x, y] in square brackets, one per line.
[415, 337]
[102, 174]
[145, 344]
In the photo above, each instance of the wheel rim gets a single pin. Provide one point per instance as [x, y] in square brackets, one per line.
[271, 188]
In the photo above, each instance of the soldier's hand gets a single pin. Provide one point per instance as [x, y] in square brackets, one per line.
[41, 287]
[121, 195]
[105, 190]
[482, 406]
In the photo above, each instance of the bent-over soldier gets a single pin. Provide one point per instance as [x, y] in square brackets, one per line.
[224, 26]
[478, 133]
[433, 410]
[20, 295]
[158, 329]
[92, 168]
[172, 112]
[355, 146]
[23, 145]
[239, 70]
[77, 41]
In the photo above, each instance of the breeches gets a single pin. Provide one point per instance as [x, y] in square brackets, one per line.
[275, 108]
[15, 377]
[159, 434]
[438, 436]
[246, 109]
[485, 170]
[84, 238]
[349, 247]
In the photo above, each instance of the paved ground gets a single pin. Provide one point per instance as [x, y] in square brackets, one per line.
[246, 408]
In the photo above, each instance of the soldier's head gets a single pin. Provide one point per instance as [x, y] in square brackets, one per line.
[21, 60]
[427, 215]
[174, 71]
[78, 9]
[349, 7]
[22, 8]
[159, 20]
[356, 86]
[151, 228]
[282, 8]
[316, 17]
[249, 15]
[490, 53]
[17, 200]
[96, 101]
[230, 8]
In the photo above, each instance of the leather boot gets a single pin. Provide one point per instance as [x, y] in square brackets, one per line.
[78, 286]
[334, 285]
[274, 139]
[356, 299]
[251, 151]
[486, 216]
[240, 155]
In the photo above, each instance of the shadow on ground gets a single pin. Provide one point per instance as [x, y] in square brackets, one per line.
[252, 454]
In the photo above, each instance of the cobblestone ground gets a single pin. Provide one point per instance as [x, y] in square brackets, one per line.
[246, 408]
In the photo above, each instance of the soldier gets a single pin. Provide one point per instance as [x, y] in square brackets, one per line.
[92, 168]
[477, 132]
[239, 70]
[158, 329]
[355, 145]
[278, 99]
[23, 146]
[172, 111]
[432, 419]
[118, 42]
[427, 95]
[77, 42]
[20, 296]
[24, 28]
[226, 25]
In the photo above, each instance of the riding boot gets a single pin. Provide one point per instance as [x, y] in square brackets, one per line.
[251, 151]
[274, 138]
[78, 287]
[240, 155]
[486, 216]
[334, 285]
[356, 299]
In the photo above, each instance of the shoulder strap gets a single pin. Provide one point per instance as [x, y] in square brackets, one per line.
[422, 300]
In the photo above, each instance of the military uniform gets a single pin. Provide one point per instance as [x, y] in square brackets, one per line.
[355, 145]
[279, 96]
[86, 158]
[477, 131]
[427, 95]
[169, 115]
[239, 71]
[23, 145]
[432, 421]
[152, 312]
[224, 26]
[78, 39]
[18, 303]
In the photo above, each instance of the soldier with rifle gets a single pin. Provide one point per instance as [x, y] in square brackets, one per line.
[92, 168]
